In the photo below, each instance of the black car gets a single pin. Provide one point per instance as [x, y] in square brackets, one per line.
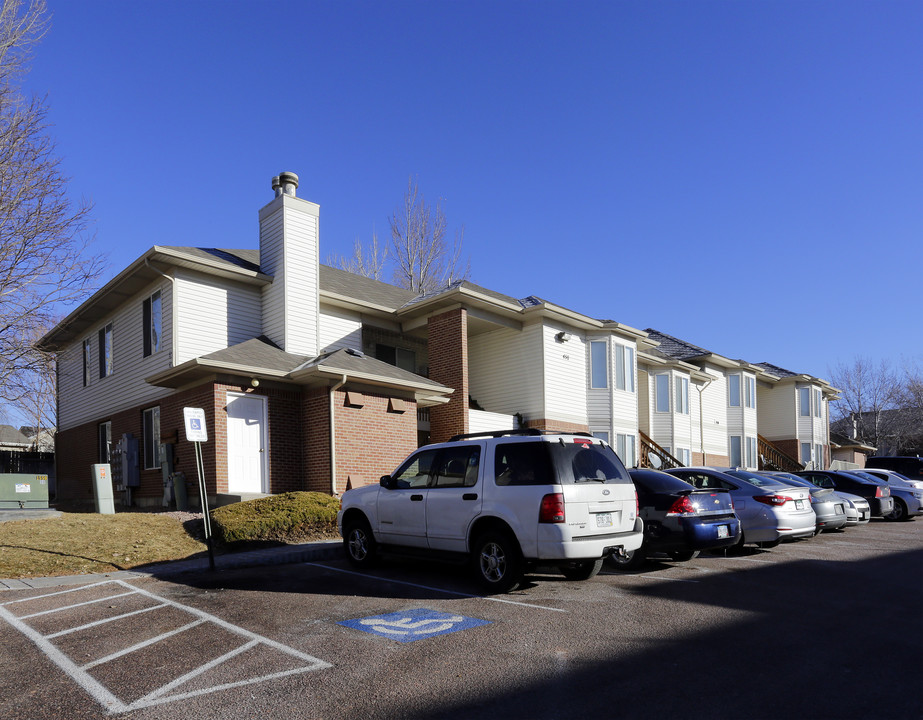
[878, 494]
[909, 466]
[679, 519]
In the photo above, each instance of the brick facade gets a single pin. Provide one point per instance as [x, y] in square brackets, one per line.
[448, 364]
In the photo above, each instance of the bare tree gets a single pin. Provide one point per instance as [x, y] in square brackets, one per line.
[420, 247]
[368, 261]
[867, 391]
[44, 258]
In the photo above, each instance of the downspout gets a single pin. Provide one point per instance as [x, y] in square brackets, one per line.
[173, 306]
[702, 420]
[333, 454]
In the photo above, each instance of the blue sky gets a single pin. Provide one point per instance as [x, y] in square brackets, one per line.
[747, 176]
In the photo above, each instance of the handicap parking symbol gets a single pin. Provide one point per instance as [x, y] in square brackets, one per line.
[410, 625]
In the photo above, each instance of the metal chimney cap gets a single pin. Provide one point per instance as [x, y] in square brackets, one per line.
[289, 182]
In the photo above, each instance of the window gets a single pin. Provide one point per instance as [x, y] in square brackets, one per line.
[662, 393]
[805, 453]
[736, 456]
[151, 430]
[104, 434]
[524, 463]
[599, 370]
[152, 323]
[804, 399]
[751, 392]
[602, 435]
[752, 457]
[416, 471]
[105, 351]
[684, 455]
[624, 368]
[399, 357]
[818, 399]
[734, 390]
[625, 449]
[458, 467]
[819, 456]
[682, 396]
[86, 362]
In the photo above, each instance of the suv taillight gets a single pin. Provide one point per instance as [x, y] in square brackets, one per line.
[683, 506]
[552, 509]
[881, 492]
[772, 499]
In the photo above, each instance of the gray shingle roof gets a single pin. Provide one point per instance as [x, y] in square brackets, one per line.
[776, 370]
[258, 352]
[674, 347]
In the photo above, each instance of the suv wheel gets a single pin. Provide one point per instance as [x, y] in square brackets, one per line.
[360, 545]
[497, 561]
[582, 570]
[628, 559]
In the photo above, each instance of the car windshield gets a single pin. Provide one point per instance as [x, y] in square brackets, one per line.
[579, 461]
[758, 480]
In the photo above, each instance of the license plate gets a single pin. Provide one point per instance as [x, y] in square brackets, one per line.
[799, 504]
[603, 519]
[724, 531]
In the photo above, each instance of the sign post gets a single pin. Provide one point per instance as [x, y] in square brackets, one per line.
[197, 434]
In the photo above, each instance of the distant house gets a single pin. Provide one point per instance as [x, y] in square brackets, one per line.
[12, 438]
[897, 431]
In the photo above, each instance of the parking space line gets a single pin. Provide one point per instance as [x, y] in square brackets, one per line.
[104, 621]
[108, 699]
[75, 605]
[436, 589]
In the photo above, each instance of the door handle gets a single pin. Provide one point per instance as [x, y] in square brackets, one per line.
[416, 498]
[470, 496]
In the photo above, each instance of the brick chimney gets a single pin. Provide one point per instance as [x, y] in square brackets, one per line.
[289, 252]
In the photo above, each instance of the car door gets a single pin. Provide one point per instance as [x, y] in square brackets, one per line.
[402, 503]
[454, 497]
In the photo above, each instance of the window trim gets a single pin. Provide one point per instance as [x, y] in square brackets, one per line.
[106, 363]
[750, 392]
[87, 361]
[597, 364]
[665, 394]
[740, 450]
[624, 368]
[151, 443]
[681, 386]
[152, 331]
[107, 456]
[732, 390]
[805, 407]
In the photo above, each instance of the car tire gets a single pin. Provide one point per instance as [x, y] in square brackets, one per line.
[582, 570]
[631, 560]
[899, 513]
[498, 562]
[359, 543]
[684, 556]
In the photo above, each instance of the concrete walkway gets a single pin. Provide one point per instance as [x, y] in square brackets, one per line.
[319, 550]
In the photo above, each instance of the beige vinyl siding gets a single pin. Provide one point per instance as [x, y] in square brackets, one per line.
[565, 376]
[714, 415]
[273, 301]
[611, 409]
[505, 371]
[339, 329]
[125, 387]
[213, 314]
[777, 409]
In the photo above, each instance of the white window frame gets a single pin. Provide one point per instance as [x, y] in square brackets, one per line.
[750, 394]
[684, 455]
[661, 393]
[153, 323]
[807, 453]
[735, 448]
[602, 435]
[818, 399]
[626, 449]
[599, 380]
[682, 395]
[87, 362]
[818, 457]
[624, 368]
[734, 390]
[804, 400]
[106, 363]
[752, 452]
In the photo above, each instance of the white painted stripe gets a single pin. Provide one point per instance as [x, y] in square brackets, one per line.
[76, 605]
[104, 621]
[182, 679]
[435, 589]
[140, 645]
[59, 592]
[95, 689]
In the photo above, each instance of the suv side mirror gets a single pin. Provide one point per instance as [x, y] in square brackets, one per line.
[387, 482]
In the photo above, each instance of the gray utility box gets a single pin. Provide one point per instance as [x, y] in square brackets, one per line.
[23, 491]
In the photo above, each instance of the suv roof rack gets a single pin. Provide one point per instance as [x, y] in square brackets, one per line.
[521, 431]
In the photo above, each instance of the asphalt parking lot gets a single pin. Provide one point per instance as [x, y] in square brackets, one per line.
[827, 627]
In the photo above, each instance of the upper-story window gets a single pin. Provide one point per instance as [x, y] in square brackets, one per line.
[662, 393]
[599, 364]
[152, 323]
[400, 357]
[87, 362]
[804, 400]
[105, 351]
[818, 399]
[682, 396]
[624, 368]
[734, 390]
[750, 395]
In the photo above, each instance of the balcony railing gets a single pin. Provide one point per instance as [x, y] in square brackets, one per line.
[771, 458]
[651, 449]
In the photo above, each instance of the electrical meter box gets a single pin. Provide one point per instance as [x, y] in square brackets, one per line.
[23, 491]
[102, 489]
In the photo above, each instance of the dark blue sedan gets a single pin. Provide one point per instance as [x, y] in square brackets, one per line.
[679, 519]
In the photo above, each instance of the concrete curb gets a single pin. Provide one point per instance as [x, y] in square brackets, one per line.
[286, 554]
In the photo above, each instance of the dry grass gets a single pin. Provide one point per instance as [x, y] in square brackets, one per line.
[78, 543]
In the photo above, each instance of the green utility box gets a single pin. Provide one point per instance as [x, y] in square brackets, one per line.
[23, 491]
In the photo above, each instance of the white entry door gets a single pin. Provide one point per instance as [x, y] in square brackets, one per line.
[246, 443]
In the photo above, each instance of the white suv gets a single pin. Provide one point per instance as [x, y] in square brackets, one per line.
[508, 500]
